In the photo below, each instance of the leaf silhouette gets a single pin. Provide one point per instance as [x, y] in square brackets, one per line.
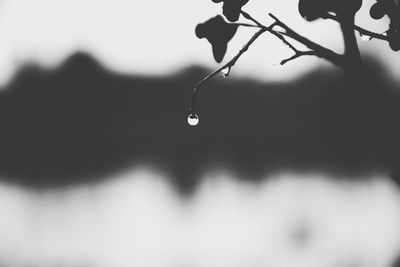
[231, 8]
[315, 9]
[218, 33]
[391, 8]
[377, 11]
[394, 38]
[311, 9]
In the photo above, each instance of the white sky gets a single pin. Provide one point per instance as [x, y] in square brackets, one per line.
[156, 37]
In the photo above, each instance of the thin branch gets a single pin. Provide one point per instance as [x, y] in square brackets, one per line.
[372, 35]
[271, 30]
[319, 50]
[316, 49]
[244, 24]
[247, 16]
[282, 38]
[361, 30]
[227, 65]
[297, 55]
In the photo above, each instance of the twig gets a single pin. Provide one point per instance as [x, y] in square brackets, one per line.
[318, 50]
[282, 38]
[228, 65]
[297, 55]
[315, 49]
[270, 29]
[244, 24]
[247, 16]
[372, 35]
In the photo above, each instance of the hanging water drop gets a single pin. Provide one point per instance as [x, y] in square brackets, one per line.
[193, 119]
[365, 37]
[225, 72]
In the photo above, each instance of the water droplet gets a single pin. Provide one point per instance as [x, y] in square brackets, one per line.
[193, 119]
[365, 38]
[225, 72]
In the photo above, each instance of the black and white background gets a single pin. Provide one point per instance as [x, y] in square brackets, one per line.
[289, 165]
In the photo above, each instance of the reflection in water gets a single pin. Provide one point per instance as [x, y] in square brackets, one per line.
[138, 220]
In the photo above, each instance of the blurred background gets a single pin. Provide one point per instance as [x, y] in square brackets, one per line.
[289, 166]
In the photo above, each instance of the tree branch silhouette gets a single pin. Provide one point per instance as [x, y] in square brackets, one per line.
[297, 55]
[343, 12]
[316, 49]
[227, 66]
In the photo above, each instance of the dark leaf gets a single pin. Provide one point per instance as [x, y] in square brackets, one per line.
[377, 11]
[218, 32]
[315, 9]
[391, 8]
[311, 9]
[394, 38]
[231, 8]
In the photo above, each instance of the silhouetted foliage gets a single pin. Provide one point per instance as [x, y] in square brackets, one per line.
[314, 9]
[231, 8]
[341, 11]
[391, 8]
[218, 33]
